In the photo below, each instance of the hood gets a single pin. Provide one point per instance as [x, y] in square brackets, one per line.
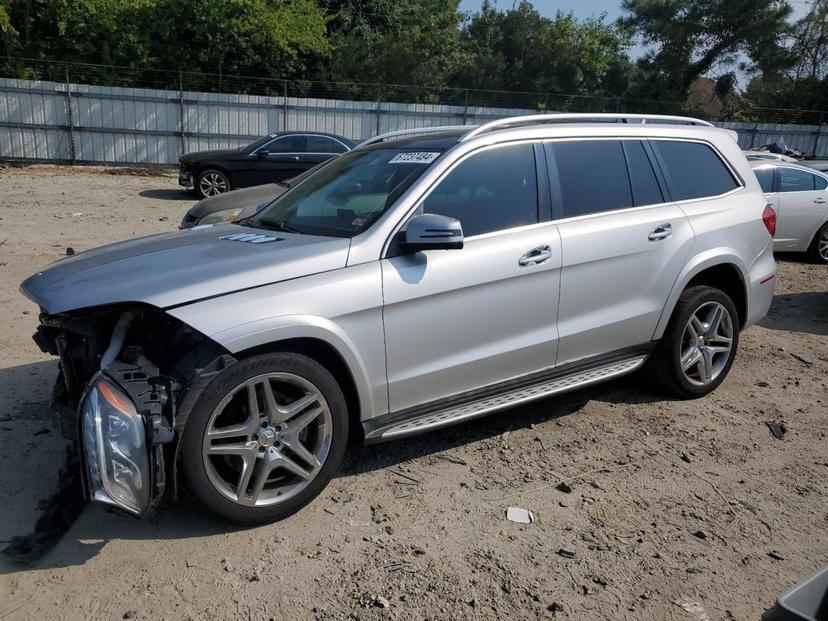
[197, 156]
[171, 269]
[245, 197]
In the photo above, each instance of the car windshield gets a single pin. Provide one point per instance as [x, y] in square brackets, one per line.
[259, 142]
[347, 195]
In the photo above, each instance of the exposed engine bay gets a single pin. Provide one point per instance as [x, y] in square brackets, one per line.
[128, 378]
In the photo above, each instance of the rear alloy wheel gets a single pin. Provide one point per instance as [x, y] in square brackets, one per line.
[265, 438]
[697, 349]
[212, 182]
[818, 251]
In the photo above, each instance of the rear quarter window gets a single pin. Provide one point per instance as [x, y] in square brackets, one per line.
[765, 178]
[693, 169]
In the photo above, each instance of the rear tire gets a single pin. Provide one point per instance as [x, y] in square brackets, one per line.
[699, 344]
[818, 250]
[265, 438]
[212, 182]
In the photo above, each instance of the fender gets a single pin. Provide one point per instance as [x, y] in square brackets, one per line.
[695, 265]
[271, 330]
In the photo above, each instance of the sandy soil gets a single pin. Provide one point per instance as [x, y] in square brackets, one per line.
[669, 499]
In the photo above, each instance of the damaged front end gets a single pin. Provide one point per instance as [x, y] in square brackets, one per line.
[122, 374]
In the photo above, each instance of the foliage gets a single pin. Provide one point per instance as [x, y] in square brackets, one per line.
[692, 38]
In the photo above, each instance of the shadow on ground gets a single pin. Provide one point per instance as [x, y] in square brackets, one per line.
[799, 312]
[84, 530]
[168, 194]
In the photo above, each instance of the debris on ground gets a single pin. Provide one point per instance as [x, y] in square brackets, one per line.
[685, 457]
[563, 487]
[381, 602]
[806, 360]
[519, 516]
[777, 428]
[338, 500]
[566, 553]
[775, 555]
[76, 215]
[762, 384]
[694, 608]
[70, 251]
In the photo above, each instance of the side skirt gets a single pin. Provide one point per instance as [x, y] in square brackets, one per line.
[463, 407]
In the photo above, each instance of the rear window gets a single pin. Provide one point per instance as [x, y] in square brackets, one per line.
[793, 180]
[693, 169]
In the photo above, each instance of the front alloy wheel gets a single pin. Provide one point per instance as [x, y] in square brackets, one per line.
[265, 437]
[212, 183]
[279, 446]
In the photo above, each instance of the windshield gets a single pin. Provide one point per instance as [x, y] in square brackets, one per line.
[348, 195]
[259, 142]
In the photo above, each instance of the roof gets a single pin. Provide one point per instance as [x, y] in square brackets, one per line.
[781, 164]
[346, 141]
[434, 142]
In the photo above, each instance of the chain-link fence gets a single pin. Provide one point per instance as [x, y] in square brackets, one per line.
[110, 75]
[51, 111]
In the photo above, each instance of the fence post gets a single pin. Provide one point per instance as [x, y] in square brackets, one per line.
[817, 136]
[379, 111]
[181, 111]
[753, 134]
[69, 118]
[466, 107]
[284, 105]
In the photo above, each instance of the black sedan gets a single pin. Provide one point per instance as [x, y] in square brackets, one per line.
[269, 159]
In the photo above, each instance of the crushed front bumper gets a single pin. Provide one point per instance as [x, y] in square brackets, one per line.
[185, 178]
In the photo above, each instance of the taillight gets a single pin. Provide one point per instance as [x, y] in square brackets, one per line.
[769, 218]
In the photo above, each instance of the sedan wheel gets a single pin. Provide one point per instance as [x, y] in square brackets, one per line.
[212, 183]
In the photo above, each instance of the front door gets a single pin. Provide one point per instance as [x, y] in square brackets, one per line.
[280, 159]
[460, 320]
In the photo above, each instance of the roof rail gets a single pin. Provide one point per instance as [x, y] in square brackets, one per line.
[518, 121]
[411, 132]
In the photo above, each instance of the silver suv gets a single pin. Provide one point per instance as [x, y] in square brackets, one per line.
[425, 278]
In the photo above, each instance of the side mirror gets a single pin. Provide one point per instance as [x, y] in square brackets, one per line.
[261, 153]
[433, 232]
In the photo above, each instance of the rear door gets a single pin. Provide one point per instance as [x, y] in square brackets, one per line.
[460, 320]
[321, 148]
[803, 201]
[623, 244]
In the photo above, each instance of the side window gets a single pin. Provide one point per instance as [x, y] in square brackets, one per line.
[338, 147]
[493, 190]
[765, 177]
[320, 144]
[820, 183]
[694, 170]
[592, 176]
[296, 143]
[642, 176]
[793, 180]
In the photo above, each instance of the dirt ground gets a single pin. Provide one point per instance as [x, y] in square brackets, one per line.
[672, 503]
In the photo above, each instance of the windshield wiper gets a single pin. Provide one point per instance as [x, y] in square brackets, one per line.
[280, 226]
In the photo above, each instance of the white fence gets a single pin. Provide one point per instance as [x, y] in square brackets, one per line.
[46, 121]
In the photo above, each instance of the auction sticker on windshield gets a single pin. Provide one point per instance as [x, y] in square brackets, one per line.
[414, 157]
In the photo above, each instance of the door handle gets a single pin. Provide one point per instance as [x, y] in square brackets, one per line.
[661, 232]
[284, 158]
[536, 256]
[819, 200]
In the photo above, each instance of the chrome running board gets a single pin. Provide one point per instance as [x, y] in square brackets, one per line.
[400, 427]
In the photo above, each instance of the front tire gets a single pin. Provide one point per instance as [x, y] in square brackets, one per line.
[265, 438]
[818, 250]
[212, 182]
[699, 344]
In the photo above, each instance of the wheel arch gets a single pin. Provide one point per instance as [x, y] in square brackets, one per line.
[724, 271]
[325, 354]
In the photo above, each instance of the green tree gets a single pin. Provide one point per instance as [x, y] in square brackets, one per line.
[521, 50]
[691, 38]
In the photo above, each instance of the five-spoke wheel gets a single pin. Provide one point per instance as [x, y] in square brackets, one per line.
[265, 437]
[212, 183]
[699, 344]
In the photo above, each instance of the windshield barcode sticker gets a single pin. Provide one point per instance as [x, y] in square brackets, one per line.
[414, 157]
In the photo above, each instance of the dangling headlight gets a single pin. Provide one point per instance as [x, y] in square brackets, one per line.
[115, 448]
